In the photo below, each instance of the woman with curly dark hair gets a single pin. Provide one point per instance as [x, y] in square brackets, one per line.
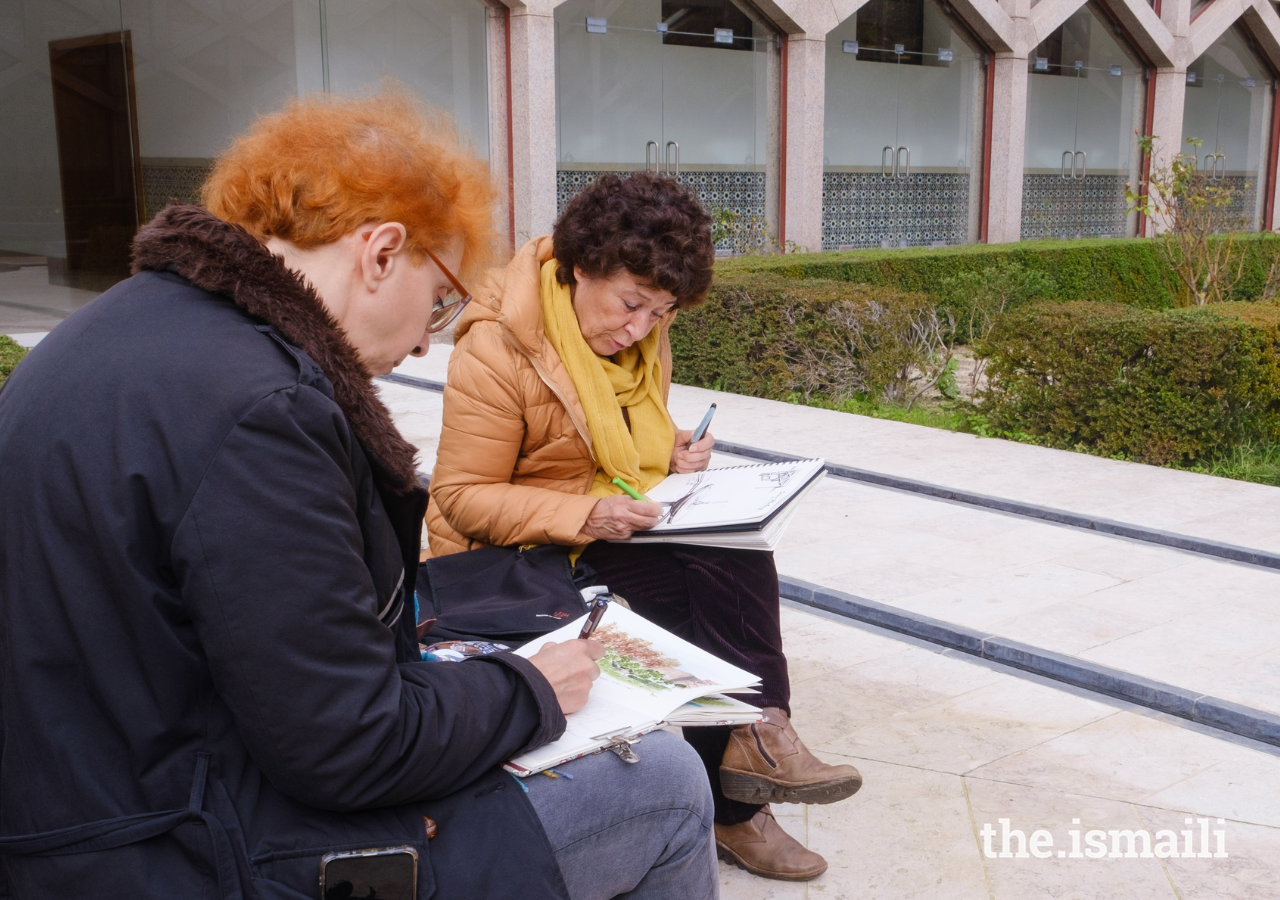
[558, 383]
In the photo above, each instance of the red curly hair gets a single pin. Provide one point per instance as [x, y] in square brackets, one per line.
[325, 165]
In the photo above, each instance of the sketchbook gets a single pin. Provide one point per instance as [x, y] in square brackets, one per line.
[648, 678]
[745, 507]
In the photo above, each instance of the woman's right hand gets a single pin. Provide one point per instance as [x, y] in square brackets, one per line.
[569, 668]
[616, 518]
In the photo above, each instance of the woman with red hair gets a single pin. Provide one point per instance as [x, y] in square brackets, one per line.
[210, 675]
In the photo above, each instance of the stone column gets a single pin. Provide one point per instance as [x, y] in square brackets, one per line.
[1166, 125]
[806, 84]
[533, 119]
[499, 160]
[1008, 148]
[1170, 92]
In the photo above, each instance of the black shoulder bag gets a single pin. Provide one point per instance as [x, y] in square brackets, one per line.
[502, 594]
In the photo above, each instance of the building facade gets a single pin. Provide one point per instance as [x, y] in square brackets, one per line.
[812, 125]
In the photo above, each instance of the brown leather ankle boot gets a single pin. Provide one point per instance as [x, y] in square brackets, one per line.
[762, 848]
[766, 762]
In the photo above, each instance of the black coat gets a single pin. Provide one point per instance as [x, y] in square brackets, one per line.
[209, 530]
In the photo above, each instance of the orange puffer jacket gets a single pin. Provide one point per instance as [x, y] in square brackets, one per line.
[514, 463]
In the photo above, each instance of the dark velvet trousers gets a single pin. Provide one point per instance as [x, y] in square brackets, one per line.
[723, 601]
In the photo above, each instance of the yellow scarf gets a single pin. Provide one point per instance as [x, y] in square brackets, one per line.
[632, 378]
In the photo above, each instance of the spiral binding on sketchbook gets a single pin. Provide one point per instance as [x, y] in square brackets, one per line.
[746, 507]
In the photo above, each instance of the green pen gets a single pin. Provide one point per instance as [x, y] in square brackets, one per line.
[632, 492]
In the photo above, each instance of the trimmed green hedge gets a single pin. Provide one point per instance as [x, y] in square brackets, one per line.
[1078, 371]
[762, 334]
[10, 353]
[1103, 270]
[1154, 386]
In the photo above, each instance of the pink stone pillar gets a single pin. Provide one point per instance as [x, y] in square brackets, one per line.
[1166, 125]
[805, 108]
[499, 159]
[533, 120]
[1008, 148]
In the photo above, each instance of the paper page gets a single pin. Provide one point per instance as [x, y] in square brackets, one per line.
[765, 538]
[582, 733]
[714, 708]
[729, 496]
[646, 668]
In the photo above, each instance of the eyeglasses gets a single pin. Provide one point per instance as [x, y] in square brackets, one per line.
[446, 314]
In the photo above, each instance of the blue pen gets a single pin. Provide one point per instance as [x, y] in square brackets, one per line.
[703, 425]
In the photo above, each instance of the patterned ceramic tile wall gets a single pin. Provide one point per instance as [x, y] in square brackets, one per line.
[741, 192]
[1243, 207]
[165, 184]
[865, 209]
[1056, 208]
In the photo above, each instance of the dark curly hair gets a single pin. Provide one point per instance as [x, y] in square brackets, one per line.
[649, 224]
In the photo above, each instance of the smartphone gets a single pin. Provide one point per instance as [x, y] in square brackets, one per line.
[387, 873]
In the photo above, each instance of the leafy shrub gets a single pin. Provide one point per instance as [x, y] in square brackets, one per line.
[1154, 386]
[977, 298]
[1104, 270]
[10, 354]
[974, 300]
[744, 234]
[1200, 227]
[899, 345]
[775, 337]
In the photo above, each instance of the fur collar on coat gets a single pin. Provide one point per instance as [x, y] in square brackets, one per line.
[225, 259]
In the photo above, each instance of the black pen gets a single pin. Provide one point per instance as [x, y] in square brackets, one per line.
[593, 619]
[702, 426]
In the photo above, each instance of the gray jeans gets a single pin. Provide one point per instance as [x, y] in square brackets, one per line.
[641, 831]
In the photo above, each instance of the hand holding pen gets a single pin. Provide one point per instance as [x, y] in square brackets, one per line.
[692, 452]
[570, 668]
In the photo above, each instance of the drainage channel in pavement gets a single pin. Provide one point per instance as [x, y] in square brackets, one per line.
[1066, 518]
[1192, 706]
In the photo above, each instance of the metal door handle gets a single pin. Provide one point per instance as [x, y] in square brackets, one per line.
[666, 158]
[888, 163]
[903, 172]
[1084, 159]
[1216, 163]
[1068, 159]
[651, 163]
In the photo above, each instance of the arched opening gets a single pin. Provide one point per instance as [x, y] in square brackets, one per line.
[1228, 109]
[687, 87]
[903, 141]
[1086, 101]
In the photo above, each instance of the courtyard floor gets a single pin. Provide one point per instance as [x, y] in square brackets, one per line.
[28, 302]
[949, 743]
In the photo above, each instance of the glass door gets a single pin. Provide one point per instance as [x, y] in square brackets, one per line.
[719, 68]
[672, 87]
[608, 91]
[1085, 101]
[904, 129]
[1228, 109]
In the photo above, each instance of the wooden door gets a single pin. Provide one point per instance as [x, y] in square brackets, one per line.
[95, 115]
